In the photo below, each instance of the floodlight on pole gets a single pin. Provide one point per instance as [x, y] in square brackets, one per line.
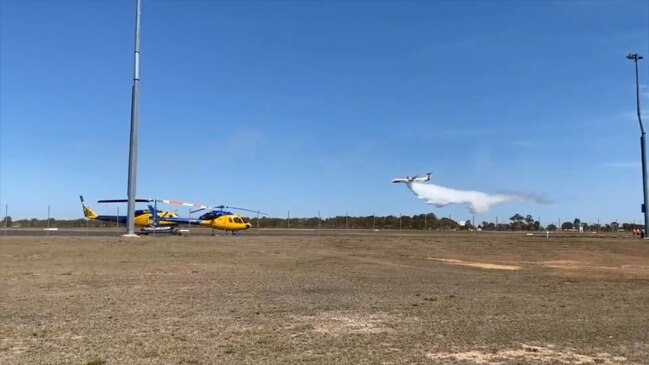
[132, 152]
[635, 58]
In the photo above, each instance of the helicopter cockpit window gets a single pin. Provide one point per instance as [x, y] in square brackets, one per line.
[230, 219]
[238, 220]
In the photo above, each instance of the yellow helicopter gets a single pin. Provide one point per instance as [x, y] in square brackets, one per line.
[216, 218]
[147, 220]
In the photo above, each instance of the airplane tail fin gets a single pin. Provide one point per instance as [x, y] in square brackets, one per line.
[426, 177]
[87, 212]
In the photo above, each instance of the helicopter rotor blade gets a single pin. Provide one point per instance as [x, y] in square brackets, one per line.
[200, 207]
[177, 202]
[247, 210]
[124, 201]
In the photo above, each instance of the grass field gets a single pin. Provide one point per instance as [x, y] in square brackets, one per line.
[467, 298]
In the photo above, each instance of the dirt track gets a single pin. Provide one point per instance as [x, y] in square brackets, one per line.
[474, 298]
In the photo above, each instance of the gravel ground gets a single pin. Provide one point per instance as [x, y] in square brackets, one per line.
[441, 298]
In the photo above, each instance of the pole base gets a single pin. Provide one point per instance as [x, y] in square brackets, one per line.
[131, 235]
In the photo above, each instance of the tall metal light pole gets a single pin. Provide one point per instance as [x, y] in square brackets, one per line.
[645, 206]
[132, 151]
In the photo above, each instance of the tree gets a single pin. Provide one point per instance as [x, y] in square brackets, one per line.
[567, 225]
[552, 227]
[516, 221]
[529, 220]
[577, 222]
[516, 218]
[630, 226]
[7, 221]
[447, 223]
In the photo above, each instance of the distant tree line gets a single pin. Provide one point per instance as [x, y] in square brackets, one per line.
[428, 221]
[421, 221]
[59, 223]
[527, 223]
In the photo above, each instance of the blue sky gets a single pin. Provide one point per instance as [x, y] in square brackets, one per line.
[316, 106]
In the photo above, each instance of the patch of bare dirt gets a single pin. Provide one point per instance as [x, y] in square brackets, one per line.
[527, 354]
[480, 265]
[340, 323]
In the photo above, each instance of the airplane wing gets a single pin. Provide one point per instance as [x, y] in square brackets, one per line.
[416, 178]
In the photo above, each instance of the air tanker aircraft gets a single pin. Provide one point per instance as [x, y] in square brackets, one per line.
[439, 196]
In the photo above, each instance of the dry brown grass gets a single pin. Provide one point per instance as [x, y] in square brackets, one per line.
[433, 298]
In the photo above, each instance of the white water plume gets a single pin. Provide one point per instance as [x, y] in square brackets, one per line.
[477, 202]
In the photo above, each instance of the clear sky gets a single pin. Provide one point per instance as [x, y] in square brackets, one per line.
[315, 106]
